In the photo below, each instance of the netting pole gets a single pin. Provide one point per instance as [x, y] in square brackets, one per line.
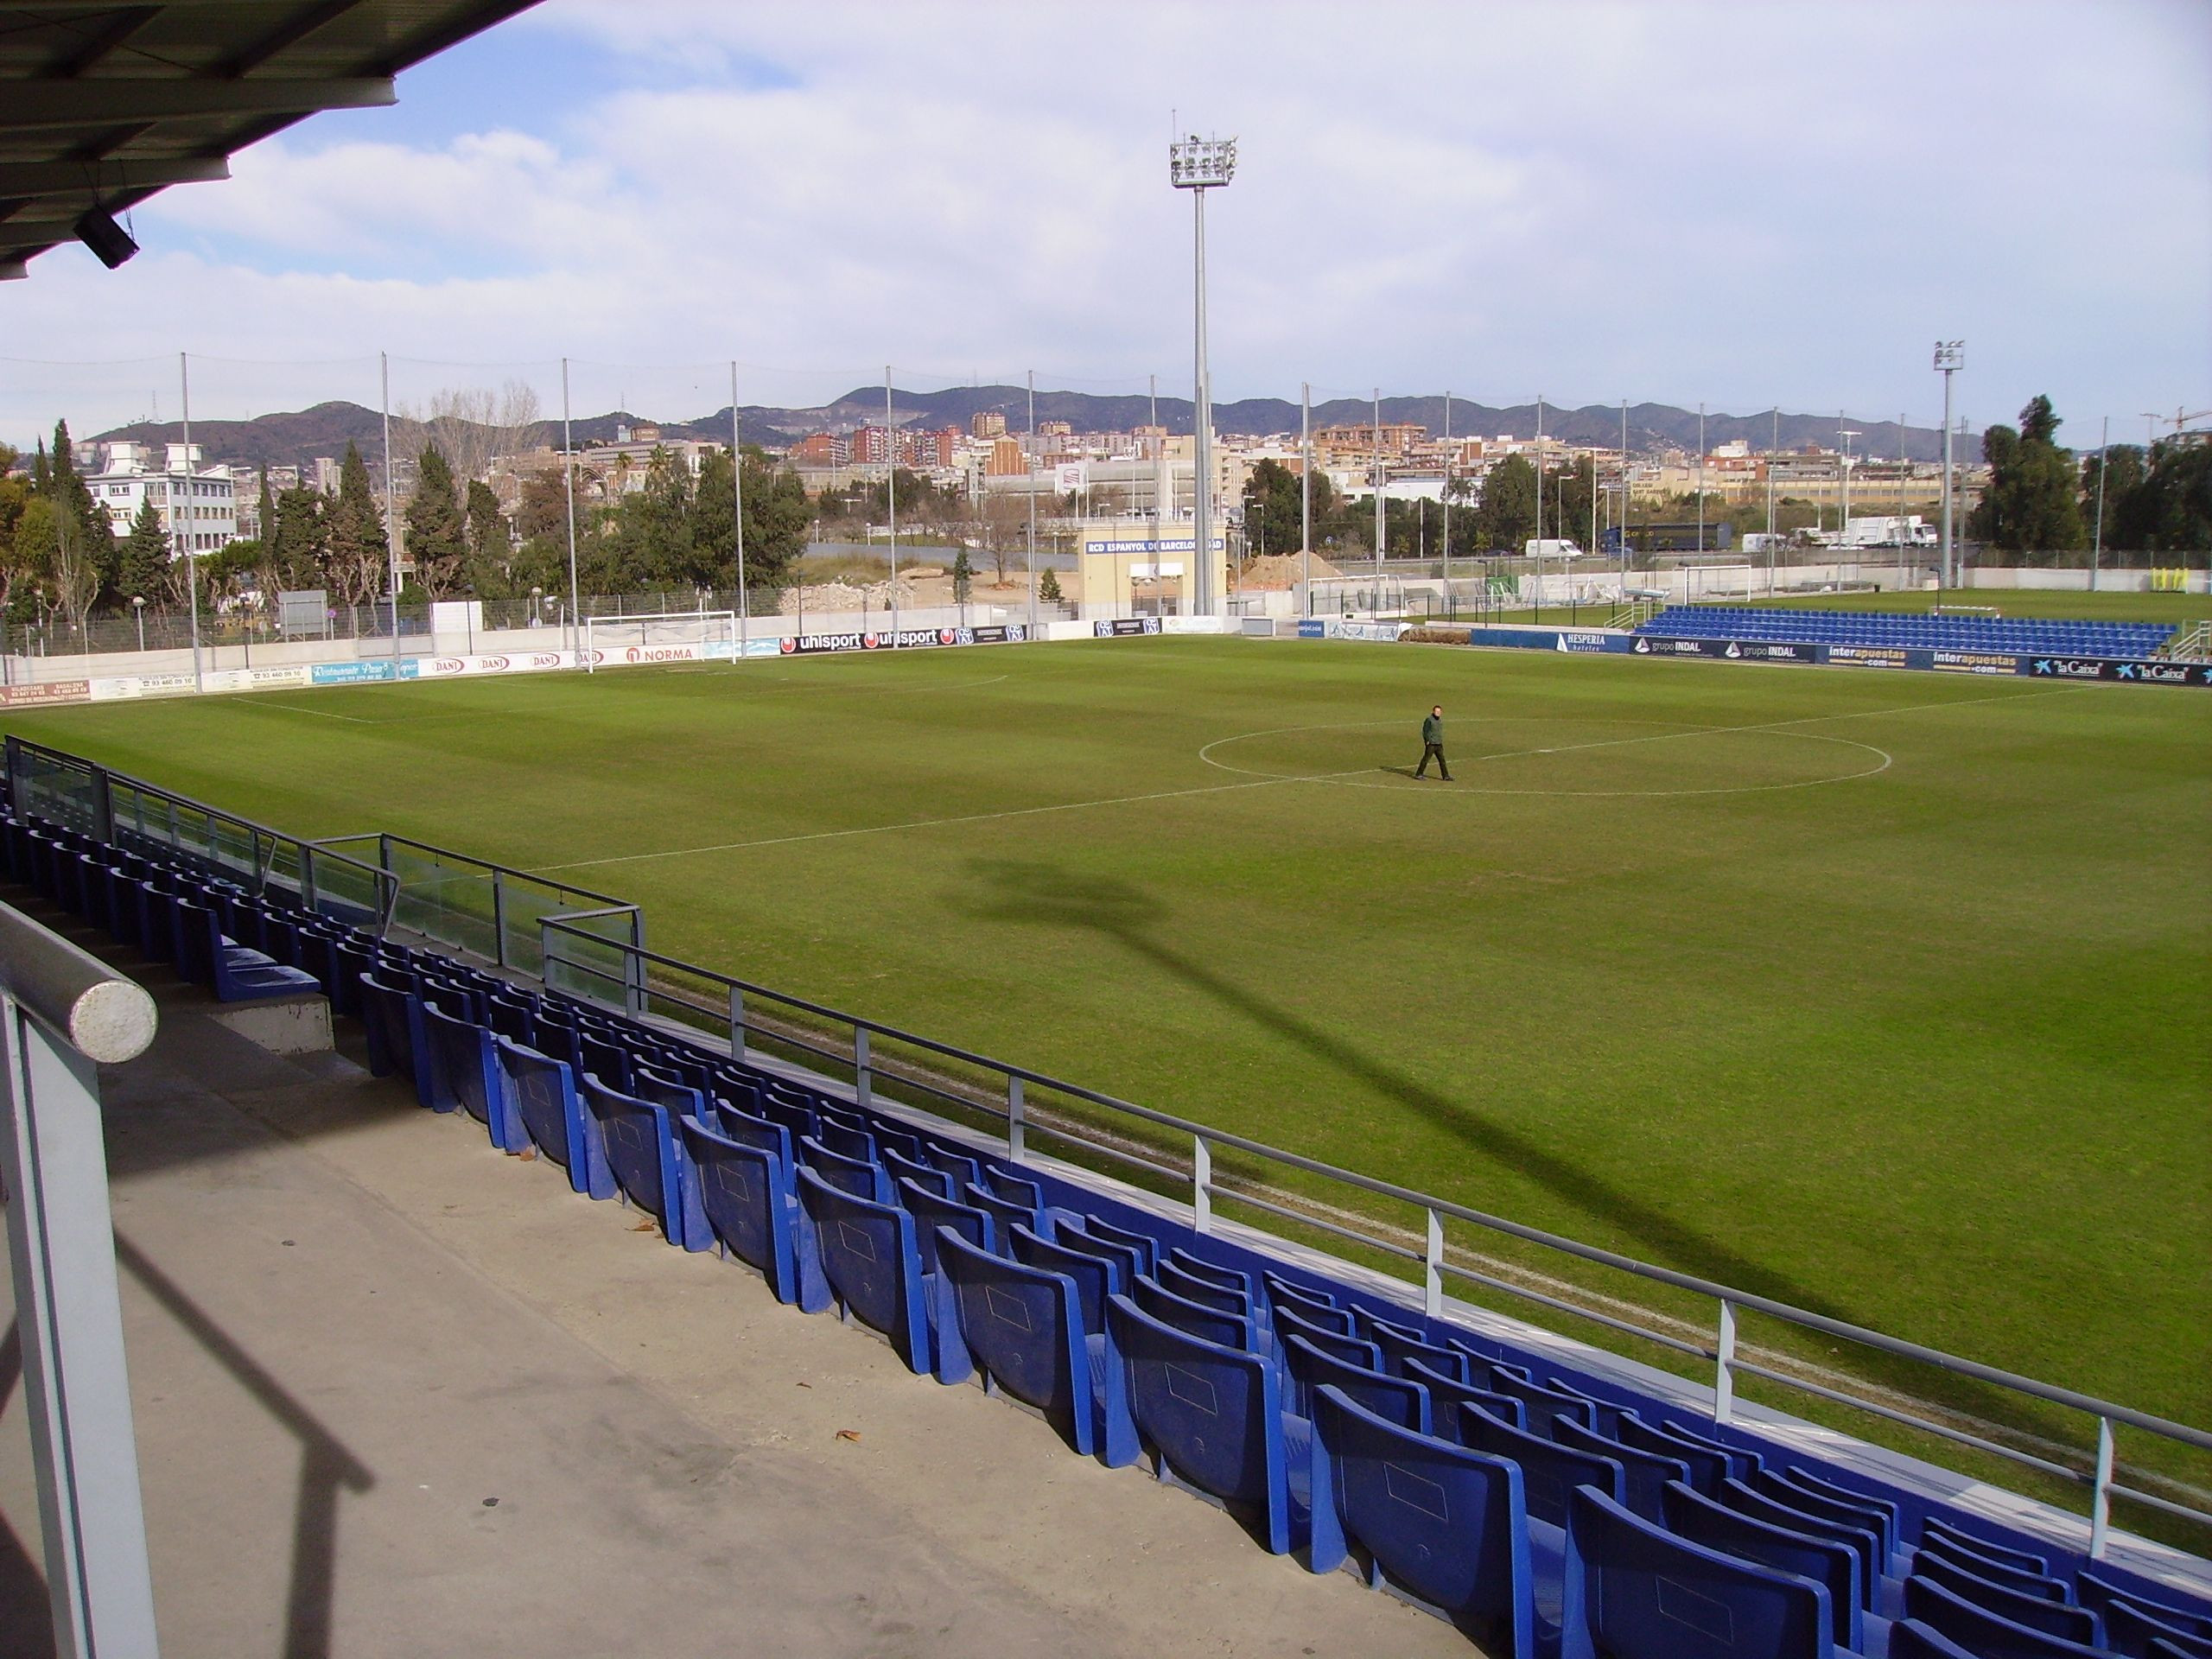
[737, 500]
[390, 529]
[891, 498]
[568, 484]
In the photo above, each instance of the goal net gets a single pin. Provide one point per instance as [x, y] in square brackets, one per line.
[660, 637]
[1713, 582]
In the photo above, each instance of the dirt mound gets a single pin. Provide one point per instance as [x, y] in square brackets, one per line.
[1282, 570]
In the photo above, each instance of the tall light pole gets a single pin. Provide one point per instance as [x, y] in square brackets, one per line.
[891, 498]
[390, 529]
[1843, 505]
[1198, 165]
[1030, 553]
[1375, 603]
[1701, 479]
[1448, 610]
[182, 539]
[2104, 466]
[1306, 495]
[1950, 358]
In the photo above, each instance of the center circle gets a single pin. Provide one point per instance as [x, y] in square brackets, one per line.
[1552, 755]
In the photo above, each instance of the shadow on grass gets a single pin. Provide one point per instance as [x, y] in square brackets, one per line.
[1047, 895]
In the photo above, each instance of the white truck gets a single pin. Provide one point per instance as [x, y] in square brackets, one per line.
[1908, 532]
[1549, 549]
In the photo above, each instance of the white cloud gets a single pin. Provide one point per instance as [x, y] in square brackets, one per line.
[1745, 205]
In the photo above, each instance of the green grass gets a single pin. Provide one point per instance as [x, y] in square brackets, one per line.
[1881, 994]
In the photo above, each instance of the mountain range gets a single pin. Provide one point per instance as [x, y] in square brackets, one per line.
[325, 429]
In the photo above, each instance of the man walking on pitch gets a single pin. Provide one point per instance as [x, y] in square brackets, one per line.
[1432, 744]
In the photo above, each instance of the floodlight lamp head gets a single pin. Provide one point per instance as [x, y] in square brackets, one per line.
[1950, 355]
[1199, 164]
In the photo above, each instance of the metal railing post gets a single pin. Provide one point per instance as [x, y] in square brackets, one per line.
[62, 1012]
[1433, 1266]
[1201, 1185]
[736, 1023]
[863, 1087]
[1724, 1374]
[498, 921]
[1014, 1124]
[2100, 1496]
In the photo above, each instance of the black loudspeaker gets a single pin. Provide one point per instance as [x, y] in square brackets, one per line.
[98, 231]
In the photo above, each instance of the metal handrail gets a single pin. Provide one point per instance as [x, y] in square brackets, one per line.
[1206, 1140]
[101, 1014]
[106, 780]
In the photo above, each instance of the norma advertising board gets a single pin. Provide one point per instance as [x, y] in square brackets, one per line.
[1115, 627]
[802, 645]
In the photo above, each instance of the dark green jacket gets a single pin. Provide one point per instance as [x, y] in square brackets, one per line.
[1432, 729]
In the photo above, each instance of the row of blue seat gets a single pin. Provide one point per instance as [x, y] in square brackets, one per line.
[1541, 1510]
[2020, 634]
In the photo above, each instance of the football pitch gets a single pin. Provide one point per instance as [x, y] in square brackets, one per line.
[1882, 994]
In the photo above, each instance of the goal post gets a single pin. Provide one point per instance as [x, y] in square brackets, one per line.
[1719, 582]
[636, 638]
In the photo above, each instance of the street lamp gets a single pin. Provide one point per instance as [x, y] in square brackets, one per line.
[1950, 358]
[1843, 504]
[139, 609]
[1198, 165]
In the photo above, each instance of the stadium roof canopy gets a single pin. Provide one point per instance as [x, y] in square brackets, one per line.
[101, 106]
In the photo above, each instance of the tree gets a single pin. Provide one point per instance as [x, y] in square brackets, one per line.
[1274, 512]
[963, 577]
[355, 553]
[435, 537]
[776, 520]
[2030, 507]
[474, 426]
[295, 545]
[2118, 474]
[81, 563]
[1506, 515]
[1568, 505]
[1048, 588]
[142, 572]
[15, 497]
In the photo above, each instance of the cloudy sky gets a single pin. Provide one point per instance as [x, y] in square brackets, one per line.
[1743, 204]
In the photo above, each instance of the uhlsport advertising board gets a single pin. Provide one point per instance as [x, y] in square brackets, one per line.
[804, 645]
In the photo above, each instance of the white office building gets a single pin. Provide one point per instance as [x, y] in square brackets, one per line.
[197, 504]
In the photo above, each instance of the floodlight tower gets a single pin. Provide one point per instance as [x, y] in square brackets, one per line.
[1950, 358]
[1198, 165]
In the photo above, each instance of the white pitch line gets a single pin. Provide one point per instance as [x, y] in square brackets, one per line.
[1173, 794]
[933, 823]
[320, 714]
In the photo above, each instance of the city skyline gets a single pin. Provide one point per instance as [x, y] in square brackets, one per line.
[1664, 203]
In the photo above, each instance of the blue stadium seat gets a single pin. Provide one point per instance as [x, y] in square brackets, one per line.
[1635, 1590]
[872, 1264]
[1213, 1419]
[1688, 1514]
[1784, 1489]
[1549, 1471]
[2013, 1578]
[2132, 1630]
[1862, 1542]
[1393, 1398]
[1146, 1247]
[1356, 1350]
[1205, 1292]
[1005, 1211]
[1542, 1403]
[641, 1153]
[930, 1212]
[543, 1092]
[964, 1170]
[464, 1072]
[1316, 1306]
[1447, 1395]
[1439, 1523]
[1648, 1472]
[1399, 1350]
[748, 1130]
[1022, 1327]
[1214, 1274]
[1911, 1639]
[1708, 1465]
[2099, 1589]
[744, 1196]
[1208, 1324]
[1935, 1526]
[394, 1026]
[1095, 1277]
[1984, 1634]
[844, 1138]
[926, 1176]
[857, 1176]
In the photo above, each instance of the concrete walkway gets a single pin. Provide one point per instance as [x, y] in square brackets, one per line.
[398, 1394]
